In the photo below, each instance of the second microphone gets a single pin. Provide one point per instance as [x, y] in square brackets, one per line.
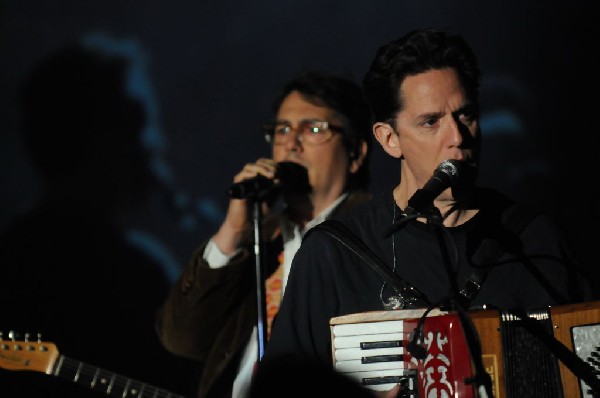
[290, 176]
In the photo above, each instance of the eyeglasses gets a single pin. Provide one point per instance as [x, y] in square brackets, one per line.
[308, 131]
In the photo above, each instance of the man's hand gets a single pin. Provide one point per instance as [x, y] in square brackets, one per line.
[232, 229]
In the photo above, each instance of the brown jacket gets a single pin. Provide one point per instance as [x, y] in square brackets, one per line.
[209, 313]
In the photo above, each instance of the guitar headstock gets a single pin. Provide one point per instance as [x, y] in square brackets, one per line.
[35, 356]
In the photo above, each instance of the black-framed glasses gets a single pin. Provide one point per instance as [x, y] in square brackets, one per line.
[309, 131]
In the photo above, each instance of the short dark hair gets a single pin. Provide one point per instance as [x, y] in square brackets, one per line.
[345, 97]
[417, 52]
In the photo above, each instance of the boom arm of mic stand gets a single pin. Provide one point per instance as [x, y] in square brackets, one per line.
[481, 379]
[433, 217]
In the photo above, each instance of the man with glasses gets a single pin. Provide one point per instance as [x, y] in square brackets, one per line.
[322, 122]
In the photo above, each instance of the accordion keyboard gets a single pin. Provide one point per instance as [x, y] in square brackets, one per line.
[586, 342]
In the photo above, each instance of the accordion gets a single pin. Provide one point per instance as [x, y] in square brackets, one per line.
[374, 349]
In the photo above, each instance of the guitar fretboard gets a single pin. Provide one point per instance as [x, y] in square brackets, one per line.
[110, 383]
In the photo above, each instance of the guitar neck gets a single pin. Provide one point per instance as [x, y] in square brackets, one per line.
[109, 383]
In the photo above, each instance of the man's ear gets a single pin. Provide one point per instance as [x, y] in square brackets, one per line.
[358, 158]
[388, 139]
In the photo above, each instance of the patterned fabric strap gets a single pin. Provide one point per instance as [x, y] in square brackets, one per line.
[273, 293]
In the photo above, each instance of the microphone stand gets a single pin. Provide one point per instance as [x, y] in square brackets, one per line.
[481, 377]
[259, 275]
[256, 191]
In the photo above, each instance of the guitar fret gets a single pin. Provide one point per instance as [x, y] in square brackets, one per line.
[143, 387]
[126, 389]
[95, 378]
[110, 385]
[77, 373]
[88, 376]
[59, 365]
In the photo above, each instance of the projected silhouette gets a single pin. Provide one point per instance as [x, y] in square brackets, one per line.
[69, 270]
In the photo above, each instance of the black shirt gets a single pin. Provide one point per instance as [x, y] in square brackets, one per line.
[328, 280]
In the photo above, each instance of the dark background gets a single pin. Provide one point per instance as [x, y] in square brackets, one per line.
[214, 67]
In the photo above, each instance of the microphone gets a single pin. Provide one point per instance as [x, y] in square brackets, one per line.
[291, 177]
[444, 176]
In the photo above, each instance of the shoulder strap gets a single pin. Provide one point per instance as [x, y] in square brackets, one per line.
[343, 234]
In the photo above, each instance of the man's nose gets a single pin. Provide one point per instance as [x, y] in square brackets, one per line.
[294, 138]
[455, 131]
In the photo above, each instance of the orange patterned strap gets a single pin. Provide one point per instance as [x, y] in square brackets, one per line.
[273, 293]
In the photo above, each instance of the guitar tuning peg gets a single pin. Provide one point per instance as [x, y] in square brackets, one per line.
[0, 336]
[12, 335]
[26, 336]
[39, 337]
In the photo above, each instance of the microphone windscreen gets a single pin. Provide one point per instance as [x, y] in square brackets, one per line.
[293, 177]
[465, 178]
